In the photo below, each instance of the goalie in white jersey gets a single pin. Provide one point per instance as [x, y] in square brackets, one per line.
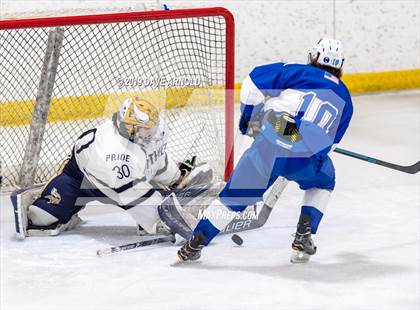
[122, 162]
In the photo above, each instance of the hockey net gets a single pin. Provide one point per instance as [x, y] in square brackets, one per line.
[77, 70]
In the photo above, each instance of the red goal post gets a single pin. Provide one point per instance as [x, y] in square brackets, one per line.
[60, 74]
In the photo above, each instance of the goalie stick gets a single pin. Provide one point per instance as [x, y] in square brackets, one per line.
[407, 169]
[237, 225]
[135, 245]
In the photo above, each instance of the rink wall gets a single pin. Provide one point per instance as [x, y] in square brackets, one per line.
[378, 35]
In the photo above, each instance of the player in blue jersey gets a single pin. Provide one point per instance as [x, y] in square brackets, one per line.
[296, 114]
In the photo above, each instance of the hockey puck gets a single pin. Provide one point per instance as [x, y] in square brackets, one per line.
[238, 240]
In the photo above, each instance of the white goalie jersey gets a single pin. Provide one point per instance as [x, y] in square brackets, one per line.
[123, 162]
[123, 170]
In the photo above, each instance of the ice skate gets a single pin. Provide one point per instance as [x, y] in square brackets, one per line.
[191, 251]
[303, 245]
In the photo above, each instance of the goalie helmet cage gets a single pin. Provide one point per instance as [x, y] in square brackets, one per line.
[61, 76]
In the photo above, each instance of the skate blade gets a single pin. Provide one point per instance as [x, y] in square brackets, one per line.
[185, 263]
[179, 262]
[299, 257]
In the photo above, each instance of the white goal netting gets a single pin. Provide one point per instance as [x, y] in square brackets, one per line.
[78, 70]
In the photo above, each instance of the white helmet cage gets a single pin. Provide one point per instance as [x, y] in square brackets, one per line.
[327, 52]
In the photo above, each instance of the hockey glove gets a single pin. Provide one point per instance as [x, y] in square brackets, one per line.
[284, 125]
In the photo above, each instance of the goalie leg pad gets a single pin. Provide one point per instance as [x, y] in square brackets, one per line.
[21, 200]
[53, 208]
[53, 229]
[40, 217]
[44, 224]
[178, 220]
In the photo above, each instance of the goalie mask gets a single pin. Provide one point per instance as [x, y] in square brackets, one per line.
[137, 120]
[327, 52]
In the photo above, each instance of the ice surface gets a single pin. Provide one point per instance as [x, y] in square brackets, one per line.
[368, 243]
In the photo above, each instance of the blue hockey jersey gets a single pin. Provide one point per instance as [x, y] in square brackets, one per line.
[318, 101]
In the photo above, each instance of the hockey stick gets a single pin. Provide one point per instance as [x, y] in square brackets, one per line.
[407, 169]
[237, 225]
[270, 199]
[135, 245]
